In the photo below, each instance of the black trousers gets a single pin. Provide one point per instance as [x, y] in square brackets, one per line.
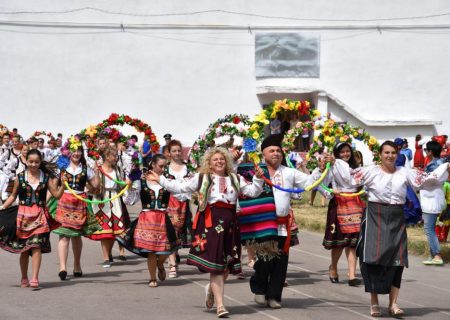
[269, 276]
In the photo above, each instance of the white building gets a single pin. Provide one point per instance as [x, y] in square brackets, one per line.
[180, 65]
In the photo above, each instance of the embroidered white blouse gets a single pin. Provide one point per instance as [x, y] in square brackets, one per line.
[221, 189]
[383, 187]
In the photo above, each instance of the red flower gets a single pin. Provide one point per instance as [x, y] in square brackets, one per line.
[152, 138]
[303, 108]
[148, 132]
[155, 148]
[236, 120]
[127, 119]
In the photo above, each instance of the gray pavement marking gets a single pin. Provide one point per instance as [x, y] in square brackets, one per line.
[329, 303]
[234, 300]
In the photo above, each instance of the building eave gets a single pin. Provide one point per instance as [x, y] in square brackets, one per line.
[365, 121]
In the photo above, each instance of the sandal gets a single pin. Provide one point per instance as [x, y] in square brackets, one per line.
[173, 271]
[34, 284]
[161, 273]
[395, 311]
[153, 283]
[24, 283]
[222, 312]
[209, 301]
[375, 310]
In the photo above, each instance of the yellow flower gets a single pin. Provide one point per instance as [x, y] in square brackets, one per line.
[74, 143]
[261, 118]
[316, 113]
[316, 138]
[339, 131]
[343, 139]
[254, 157]
[91, 131]
[254, 127]
[255, 135]
[327, 139]
[332, 140]
[372, 140]
[307, 157]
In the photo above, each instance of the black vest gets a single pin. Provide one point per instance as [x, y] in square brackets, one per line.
[26, 192]
[77, 182]
[149, 199]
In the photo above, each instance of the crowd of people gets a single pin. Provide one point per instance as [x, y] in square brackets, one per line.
[224, 206]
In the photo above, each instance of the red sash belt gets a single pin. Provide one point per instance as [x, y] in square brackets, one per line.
[287, 222]
[207, 213]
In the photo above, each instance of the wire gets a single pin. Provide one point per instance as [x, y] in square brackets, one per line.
[248, 14]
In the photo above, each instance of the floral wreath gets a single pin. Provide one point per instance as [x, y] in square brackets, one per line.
[38, 134]
[332, 132]
[277, 107]
[91, 133]
[224, 131]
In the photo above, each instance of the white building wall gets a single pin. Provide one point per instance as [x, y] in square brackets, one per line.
[179, 80]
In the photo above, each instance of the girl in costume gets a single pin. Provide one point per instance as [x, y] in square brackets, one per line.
[152, 234]
[74, 215]
[112, 215]
[26, 229]
[178, 209]
[216, 245]
[382, 247]
[343, 218]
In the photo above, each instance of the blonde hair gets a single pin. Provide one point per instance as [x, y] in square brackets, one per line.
[206, 160]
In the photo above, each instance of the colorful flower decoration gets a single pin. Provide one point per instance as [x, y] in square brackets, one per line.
[38, 134]
[227, 131]
[271, 112]
[106, 129]
[332, 132]
[288, 142]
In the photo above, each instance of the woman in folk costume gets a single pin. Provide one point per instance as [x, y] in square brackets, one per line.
[419, 159]
[111, 215]
[26, 229]
[343, 218]
[382, 247]
[216, 245]
[74, 215]
[178, 208]
[271, 267]
[152, 234]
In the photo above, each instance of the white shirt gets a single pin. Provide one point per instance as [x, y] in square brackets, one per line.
[289, 178]
[110, 184]
[52, 155]
[180, 176]
[389, 188]
[221, 189]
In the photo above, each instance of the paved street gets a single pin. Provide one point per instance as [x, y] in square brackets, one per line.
[122, 292]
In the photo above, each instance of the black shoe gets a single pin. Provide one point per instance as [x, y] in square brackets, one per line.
[177, 258]
[333, 279]
[111, 258]
[354, 282]
[62, 275]
[122, 258]
[77, 274]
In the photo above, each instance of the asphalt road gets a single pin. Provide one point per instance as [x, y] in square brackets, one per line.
[121, 292]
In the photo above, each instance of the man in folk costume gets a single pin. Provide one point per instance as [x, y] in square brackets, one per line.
[271, 267]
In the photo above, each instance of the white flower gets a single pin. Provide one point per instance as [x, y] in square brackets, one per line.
[222, 140]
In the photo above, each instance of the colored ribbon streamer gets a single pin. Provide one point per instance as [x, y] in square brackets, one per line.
[308, 188]
[119, 182]
[95, 201]
[344, 194]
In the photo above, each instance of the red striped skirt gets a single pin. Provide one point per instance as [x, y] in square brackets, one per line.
[71, 212]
